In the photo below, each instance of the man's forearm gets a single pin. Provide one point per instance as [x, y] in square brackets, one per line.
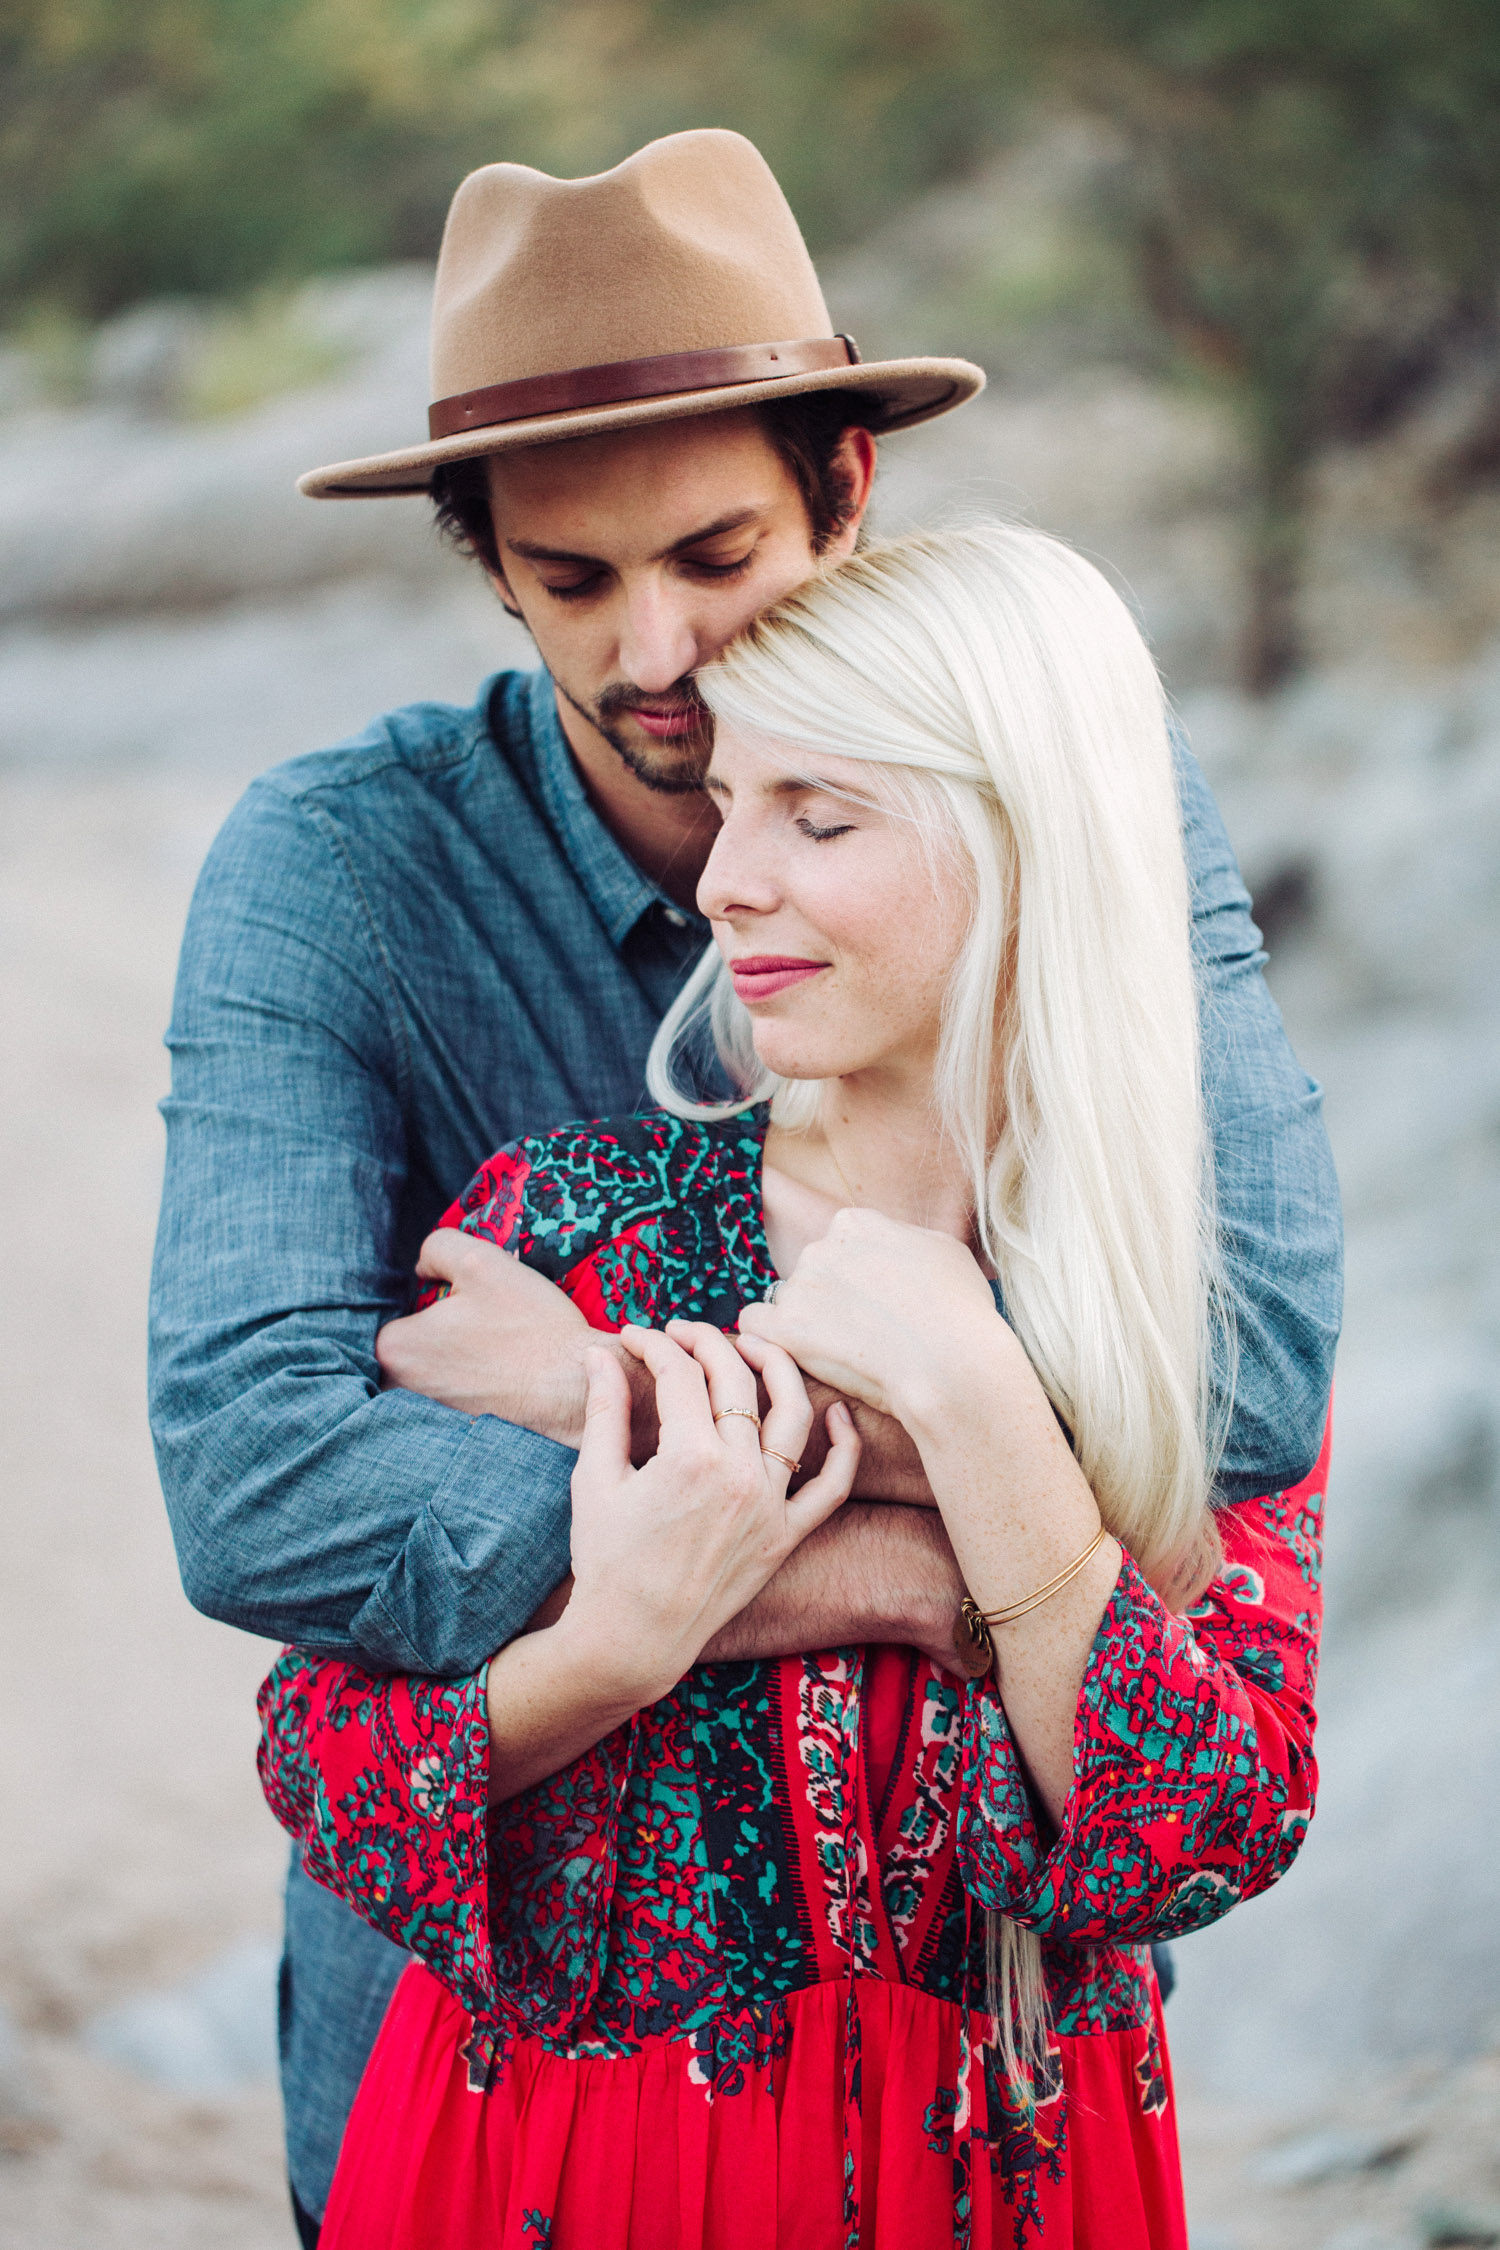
[890, 1467]
[872, 1573]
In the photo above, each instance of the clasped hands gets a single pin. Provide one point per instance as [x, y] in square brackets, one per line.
[872, 1313]
[509, 1343]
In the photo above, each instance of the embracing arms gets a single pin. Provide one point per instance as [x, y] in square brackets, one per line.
[665, 1555]
[309, 1500]
[311, 1503]
[1129, 1776]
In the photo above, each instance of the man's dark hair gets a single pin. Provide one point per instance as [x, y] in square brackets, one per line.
[805, 431]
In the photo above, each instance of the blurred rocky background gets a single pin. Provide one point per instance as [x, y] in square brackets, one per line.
[1233, 270]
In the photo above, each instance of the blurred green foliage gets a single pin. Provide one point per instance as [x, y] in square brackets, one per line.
[168, 146]
[1309, 204]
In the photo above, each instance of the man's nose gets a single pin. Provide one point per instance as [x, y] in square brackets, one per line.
[658, 645]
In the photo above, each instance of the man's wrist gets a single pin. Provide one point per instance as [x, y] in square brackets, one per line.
[556, 1407]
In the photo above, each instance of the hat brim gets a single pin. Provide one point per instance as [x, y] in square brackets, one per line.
[912, 390]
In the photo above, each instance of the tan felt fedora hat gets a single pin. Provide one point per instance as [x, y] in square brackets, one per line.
[676, 284]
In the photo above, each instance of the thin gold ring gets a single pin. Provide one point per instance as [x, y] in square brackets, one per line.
[744, 1411]
[771, 1454]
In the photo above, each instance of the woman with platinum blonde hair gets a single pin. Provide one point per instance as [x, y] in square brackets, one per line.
[841, 1949]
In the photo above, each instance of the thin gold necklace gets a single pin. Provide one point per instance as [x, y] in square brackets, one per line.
[843, 1175]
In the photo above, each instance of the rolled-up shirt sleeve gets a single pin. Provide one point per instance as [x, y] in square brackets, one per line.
[307, 1504]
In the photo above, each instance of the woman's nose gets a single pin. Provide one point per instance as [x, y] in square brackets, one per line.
[740, 876]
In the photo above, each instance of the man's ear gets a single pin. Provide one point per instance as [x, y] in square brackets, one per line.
[855, 458]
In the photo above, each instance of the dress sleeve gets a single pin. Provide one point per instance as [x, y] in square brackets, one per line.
[384, 1784]
[1192, 1746]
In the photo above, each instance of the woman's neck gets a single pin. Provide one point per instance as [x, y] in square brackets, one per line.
[888, 1152]
[875, 1146]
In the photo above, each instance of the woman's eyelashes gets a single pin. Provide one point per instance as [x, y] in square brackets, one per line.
[820, 835]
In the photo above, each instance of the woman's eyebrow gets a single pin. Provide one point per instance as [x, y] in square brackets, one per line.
[786, 785]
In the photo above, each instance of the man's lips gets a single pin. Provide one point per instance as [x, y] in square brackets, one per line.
[665, 726]
[760, 976]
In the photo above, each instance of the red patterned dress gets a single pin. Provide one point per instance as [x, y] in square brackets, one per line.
[719, 1985]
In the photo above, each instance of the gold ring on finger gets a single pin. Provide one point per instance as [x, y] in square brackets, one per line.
[747, 1413]
[771, 1454]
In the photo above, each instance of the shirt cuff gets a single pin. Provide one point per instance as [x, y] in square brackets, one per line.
[487, 1549]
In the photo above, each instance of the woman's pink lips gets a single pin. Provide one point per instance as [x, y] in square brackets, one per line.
[763, 975]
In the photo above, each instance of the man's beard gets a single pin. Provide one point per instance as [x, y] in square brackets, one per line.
[674, 768]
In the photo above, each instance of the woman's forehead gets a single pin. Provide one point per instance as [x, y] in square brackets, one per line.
[746, 763]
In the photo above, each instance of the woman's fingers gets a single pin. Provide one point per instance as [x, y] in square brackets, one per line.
[834, 1482]
[732, 1395]
[682, 1407]
[604, 1452]
[789, 1419]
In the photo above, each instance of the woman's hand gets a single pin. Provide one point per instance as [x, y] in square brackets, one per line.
[664, 1556]
[893, 1315]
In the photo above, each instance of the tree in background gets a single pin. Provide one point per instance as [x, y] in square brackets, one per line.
[1314, 210]
[1311, 201]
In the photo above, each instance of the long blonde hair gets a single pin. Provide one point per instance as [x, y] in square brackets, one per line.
[1003, 689]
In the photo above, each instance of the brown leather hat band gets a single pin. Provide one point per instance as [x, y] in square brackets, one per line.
[623, 379]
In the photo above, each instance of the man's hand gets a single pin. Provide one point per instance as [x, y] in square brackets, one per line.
[505, 1341]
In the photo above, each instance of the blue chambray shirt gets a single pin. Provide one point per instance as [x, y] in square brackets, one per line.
[401, 954]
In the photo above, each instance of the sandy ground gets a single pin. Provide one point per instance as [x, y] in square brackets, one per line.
[137, 1848]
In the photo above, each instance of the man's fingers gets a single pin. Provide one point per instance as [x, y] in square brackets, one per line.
[605, 1448]
[444, 1252]
[834, 1482]
[759, 1319]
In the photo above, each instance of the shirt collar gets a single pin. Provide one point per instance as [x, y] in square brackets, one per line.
[618, 890]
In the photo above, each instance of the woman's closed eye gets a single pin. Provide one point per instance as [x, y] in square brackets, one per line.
[807, 826]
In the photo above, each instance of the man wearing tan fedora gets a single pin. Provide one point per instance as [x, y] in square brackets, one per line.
[466, 924]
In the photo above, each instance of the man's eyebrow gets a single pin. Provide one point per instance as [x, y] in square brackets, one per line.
[737, 520]
[534, 552]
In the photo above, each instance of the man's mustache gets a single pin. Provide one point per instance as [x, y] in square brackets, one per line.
[618, 701]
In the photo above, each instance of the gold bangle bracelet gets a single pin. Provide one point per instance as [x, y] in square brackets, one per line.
[1013, 1610]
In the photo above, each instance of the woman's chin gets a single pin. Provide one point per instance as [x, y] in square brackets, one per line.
[795, 1072]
